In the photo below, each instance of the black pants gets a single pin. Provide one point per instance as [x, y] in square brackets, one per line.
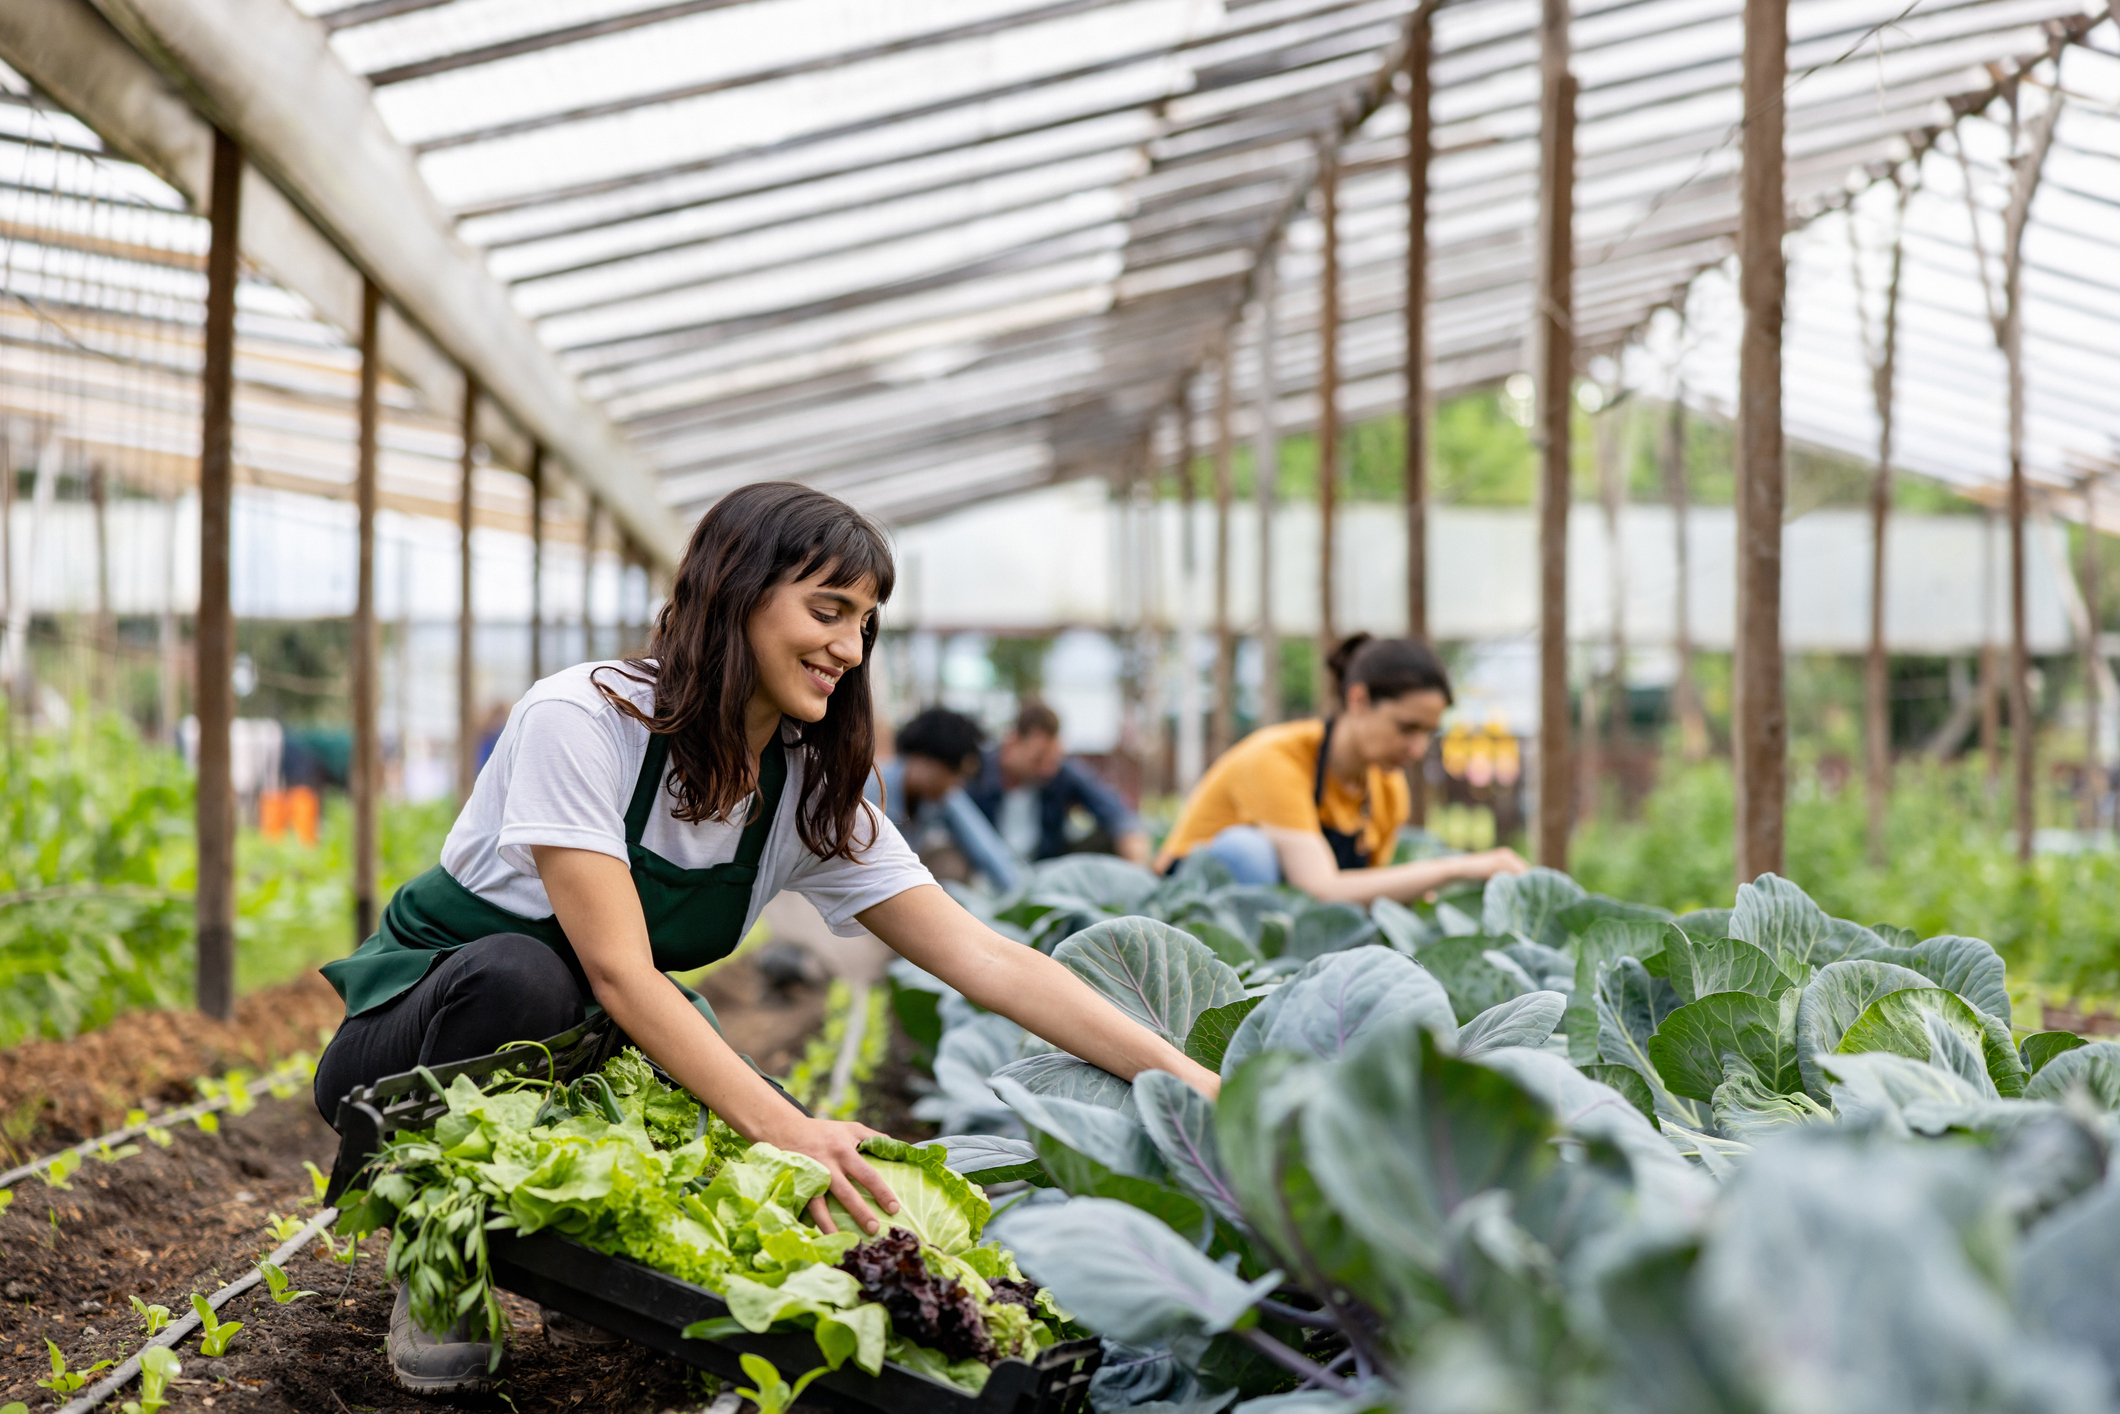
[507, 987]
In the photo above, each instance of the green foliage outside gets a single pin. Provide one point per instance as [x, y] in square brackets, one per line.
[1951, 865]
[1482, 456]
[97, 866]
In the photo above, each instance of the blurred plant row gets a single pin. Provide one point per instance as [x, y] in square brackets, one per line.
[96, 871]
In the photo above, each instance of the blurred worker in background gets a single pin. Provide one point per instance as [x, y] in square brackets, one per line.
[922, 790]
[1027, 786]
[1319, 803]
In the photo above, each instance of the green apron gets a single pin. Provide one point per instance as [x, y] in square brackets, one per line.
[694, 916]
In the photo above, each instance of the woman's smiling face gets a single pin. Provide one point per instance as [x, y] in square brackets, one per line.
[804, 636]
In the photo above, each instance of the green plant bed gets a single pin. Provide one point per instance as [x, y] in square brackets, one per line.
[97, 867]
[1951, 866]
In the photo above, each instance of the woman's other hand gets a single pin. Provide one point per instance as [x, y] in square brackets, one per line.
[1490, 862]
[837, 1145]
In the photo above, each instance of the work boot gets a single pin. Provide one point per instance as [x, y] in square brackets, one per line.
[563, 1329]
[431, 1364]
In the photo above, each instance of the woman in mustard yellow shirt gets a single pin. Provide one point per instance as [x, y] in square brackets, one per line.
[1318, 804]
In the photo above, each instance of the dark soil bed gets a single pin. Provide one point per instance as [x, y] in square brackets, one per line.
[192, 1217]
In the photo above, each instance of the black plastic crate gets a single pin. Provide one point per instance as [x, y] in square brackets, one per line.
[652, 1307]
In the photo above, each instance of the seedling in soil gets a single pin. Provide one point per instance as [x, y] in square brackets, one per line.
[282, 1228]
[209, 1122]
[320, 1179]
[7, 1196]
[236, 1086]
[63, 1380]
[55, 1173]
[773, 1395]
[278, 1282]
[108, 1155]
[156, 1135]
[214, 1333]
[18, 1407]
[153, 1318]
[158, 1366]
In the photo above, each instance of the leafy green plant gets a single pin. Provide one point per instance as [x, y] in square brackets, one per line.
[63, 1164]
[319, 1180]
[152, 1318]
[158, 1366]
[1539, 1149]
[282, 1228]
[768, 1390]
[278, 1283]
[63, 1380]
[214, 1333]
[156, 1135]
[628, 1164]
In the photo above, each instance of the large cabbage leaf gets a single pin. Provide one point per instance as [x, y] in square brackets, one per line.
[1158, 975]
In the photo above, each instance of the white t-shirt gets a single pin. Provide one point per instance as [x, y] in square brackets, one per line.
[562, 773]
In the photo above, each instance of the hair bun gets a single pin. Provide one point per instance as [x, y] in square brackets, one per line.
[1342, 657]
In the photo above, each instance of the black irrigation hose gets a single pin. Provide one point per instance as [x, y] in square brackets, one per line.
[117, 1379]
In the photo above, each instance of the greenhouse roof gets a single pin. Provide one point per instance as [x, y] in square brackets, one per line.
[922, 254]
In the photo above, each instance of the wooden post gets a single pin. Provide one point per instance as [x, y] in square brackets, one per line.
[1419, 145]
[1685, 691]
[1328, 417]
[1266, 475]
[365, 775]
[104, 658]
[1759, 716]
[214, 900]
[2093, 696]
[466, 701]
[1418, 149]
[1223, 729]
[1877, 708]
[589, 528]
[537, 561]
[1553, 366]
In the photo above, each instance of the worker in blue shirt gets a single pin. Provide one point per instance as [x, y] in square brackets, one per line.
[1028, 785]
[922, 790]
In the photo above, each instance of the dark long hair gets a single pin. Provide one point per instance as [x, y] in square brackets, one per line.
[1388, 667]
[754, 539]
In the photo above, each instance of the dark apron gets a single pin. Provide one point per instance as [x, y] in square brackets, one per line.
[1346, 847]
[694, 916]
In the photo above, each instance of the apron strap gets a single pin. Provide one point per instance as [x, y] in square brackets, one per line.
[1317, 779]
[751, 846]
[645, 787]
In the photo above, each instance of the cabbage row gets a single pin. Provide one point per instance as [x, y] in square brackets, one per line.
[1535, 1150]
[631, 1166]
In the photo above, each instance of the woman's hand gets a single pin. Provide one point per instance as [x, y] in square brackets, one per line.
[1480, 867]
[836, 1145]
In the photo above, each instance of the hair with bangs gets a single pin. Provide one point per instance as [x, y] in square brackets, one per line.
[752, 541]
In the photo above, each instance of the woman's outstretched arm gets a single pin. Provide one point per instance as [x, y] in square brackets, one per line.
[592, 894]
[934, 932]
[1307, 863]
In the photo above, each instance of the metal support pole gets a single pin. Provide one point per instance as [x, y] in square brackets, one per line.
[1685, 692]
[1553, 366]
[1877, 714]
[1266, 476]
[590, 526]
[104, 656]
[466, 701]
[1223, 730]
[366, 773]
[537, 561]
[1191, 746]
[214, 900]
[1328, 415]
[2093, 697]
[1759, 712]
